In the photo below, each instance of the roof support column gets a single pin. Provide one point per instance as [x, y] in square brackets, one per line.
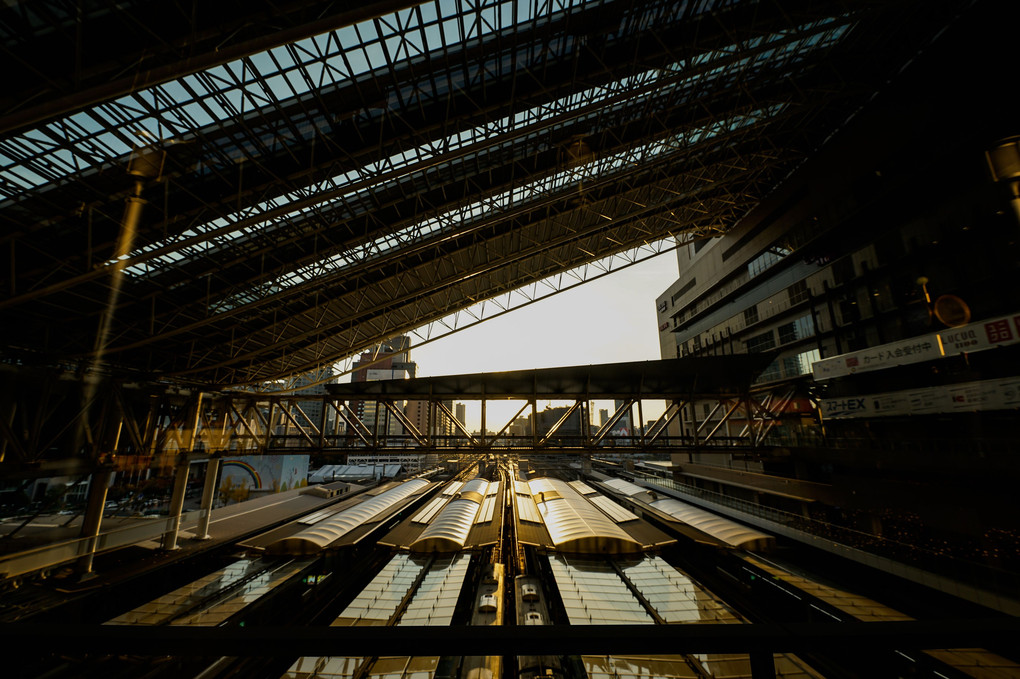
[212, 470]
[181, 477]
[176, 504]
[93, 518]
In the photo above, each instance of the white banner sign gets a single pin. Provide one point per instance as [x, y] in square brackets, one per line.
[986, 334]
[1002, 394]
[995, 332]
[914, 350]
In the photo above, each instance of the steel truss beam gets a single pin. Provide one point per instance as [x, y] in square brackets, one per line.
[50, 421]
[301, 219]
[123, 55]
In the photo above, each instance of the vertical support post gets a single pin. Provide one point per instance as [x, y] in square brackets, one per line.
[762, 665]
[212, 470]
[481, 436]
[694, 421]
[176, 504]
[375, 426]
[430, 418]
[640, 423]
[534, 423]
[322, 423]
[93, 518]
[586, 423]
[269, 426]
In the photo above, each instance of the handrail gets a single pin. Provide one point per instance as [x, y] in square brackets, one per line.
[990, 577]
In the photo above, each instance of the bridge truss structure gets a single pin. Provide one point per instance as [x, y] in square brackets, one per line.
[69, 427]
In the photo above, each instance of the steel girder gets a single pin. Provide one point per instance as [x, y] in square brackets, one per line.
[55, 424]
[300, 224]
[71, 55]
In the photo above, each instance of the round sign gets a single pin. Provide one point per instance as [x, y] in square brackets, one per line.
[952, 311]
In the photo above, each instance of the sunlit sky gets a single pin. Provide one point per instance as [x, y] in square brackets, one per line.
[609, 320]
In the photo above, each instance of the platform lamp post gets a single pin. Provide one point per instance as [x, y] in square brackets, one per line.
[1004, 164]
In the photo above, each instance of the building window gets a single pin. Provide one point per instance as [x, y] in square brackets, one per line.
[795, 366]
[687, 287]
[848, 310]
[762, 342]
[770, 373]
[751, 315]
[789, 367]
[843, 270]
[797, 330]
[799, 292]
[765, 260]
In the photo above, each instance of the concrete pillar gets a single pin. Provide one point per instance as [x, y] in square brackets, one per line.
[208, 495]
[176, 505]
[93, 518]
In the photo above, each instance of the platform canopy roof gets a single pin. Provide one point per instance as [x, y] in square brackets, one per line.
[312, 180]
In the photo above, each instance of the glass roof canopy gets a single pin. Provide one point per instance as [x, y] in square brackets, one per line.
[319, 195]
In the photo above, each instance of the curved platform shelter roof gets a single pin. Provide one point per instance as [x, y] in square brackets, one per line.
[630, 490]
[574, 524]
[323, 534]
[449, 531]
[730, 532]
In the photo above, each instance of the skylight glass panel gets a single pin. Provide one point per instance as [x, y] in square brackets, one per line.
[526, 509]
[675, 598]
[162, 609]
[452, 488]
[231, 93]
[212, 599]
[232, 89]
[399, 161]
[582, 487]
[593, 593]
[379, 601]
[431, 509]
[241, 597]
[614, 511]
[436, 598]
[574, 177]
[487, 511]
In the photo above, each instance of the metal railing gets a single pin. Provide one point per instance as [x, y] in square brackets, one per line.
[939, 561]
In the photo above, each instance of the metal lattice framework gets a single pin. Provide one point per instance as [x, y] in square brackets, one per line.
[303, 186]
[76, 426]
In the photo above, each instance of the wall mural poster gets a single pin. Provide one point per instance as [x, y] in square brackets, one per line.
[240, 477]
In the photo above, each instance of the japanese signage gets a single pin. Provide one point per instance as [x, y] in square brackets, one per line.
[982, 335]
[1000, 394]
[968, 338]
[924, 348]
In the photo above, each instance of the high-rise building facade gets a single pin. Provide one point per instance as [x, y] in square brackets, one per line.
[881, 280]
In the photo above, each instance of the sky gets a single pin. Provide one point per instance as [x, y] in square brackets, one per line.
[608, 320]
